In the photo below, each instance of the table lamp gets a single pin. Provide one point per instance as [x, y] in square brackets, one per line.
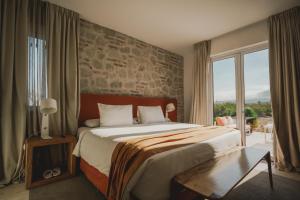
[47, 106]
[169, 108]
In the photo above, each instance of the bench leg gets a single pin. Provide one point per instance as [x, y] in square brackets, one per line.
[175, 190]
[179, 193]
[268, 159]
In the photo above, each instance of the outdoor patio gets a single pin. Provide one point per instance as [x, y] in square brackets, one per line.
[261, 140]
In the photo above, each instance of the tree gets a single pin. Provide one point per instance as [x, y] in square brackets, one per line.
[249, 112]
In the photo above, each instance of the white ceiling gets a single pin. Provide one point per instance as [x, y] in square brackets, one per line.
[175, 24]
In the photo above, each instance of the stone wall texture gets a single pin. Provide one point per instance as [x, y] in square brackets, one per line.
[114, 63]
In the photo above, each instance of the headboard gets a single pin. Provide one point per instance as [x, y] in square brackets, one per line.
[89, 108]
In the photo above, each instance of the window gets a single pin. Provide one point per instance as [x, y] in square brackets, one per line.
[241, 91]
[224, 88]
[37, 71]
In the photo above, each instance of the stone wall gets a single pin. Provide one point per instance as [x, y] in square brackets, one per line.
[114, 63]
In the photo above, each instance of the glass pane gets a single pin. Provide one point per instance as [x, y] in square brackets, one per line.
[37, 78]
[258, 112]
[224, 92]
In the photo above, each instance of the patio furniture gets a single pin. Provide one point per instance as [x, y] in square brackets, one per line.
[268, 128]
[228, 121]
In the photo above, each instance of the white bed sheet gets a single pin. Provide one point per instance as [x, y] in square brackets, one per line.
[96, 146]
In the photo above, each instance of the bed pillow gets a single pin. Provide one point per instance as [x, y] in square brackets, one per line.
[115, 115]
[92, 123]
[220, 121]
[229, 120]
[150, 114]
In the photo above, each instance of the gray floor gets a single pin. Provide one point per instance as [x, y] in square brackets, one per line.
[70, 189]
[76, 188]
[257, 187]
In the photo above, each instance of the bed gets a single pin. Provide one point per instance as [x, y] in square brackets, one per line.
[96, 145]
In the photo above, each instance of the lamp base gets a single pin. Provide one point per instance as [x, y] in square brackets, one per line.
[45, 128]
[46, 137]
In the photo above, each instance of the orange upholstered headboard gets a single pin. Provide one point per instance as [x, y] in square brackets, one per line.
[89, 108]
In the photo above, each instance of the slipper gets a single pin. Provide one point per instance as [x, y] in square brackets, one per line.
[56, 171]
[48, 174]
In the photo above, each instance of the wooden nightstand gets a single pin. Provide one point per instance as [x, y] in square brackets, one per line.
[35, 142]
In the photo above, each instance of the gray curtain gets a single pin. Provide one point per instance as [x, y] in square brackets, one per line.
[37, 66]
[201, 107]
[62, 38]
[59, 28]
[13, 79]
[284, 44]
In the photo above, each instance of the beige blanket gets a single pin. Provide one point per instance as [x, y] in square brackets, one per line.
[129, 155]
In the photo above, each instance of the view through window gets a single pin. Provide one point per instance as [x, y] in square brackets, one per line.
[37, 78]
[224, 82]
[258, 121]
[258, 110]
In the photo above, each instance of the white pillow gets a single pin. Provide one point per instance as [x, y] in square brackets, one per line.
[150, 114]
[92, 123]
[115, 115]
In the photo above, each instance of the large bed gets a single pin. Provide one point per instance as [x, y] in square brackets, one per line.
[151, 180]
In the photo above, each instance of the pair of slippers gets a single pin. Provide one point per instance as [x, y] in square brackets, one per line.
[51, 173]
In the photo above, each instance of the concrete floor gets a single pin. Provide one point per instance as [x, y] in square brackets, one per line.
[18, 191]
[260, 140]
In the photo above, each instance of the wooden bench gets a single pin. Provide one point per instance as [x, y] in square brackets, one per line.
[216, 178]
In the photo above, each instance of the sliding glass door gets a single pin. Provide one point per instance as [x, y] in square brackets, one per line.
[224, 86]
[241, 93]
[257, 103]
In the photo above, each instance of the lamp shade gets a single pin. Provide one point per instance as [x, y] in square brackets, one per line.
[170, 107]
[48, 106]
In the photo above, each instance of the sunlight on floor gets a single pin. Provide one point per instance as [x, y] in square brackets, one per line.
[260, 140]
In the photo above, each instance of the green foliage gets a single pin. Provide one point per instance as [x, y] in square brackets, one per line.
[224, 109]
[258, 109]
[261, 109]
[249, 112]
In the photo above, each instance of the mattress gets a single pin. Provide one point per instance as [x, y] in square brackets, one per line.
[96, 146]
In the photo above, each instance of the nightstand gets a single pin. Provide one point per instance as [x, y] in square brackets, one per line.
[36, 142]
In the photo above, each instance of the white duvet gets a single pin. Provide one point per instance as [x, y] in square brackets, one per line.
[96, 146]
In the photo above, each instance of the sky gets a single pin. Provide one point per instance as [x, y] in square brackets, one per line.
[256, 77]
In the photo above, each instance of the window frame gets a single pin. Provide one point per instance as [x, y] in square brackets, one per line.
[238, 55]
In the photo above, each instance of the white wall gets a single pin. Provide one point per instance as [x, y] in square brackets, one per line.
[246, 36]
[249, 35]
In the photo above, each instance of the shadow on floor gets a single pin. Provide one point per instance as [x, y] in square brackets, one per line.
[256, 188]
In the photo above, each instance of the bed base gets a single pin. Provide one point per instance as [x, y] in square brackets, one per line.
[99, 180]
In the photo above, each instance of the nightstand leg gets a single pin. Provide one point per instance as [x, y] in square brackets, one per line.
[71, 159]
[28, 166]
